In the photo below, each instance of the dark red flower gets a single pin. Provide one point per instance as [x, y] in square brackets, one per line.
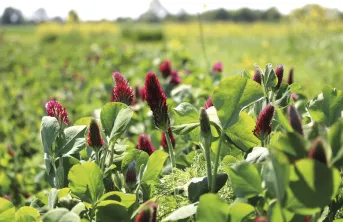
[175, 78]
[10, 151]
[122, 92]
[144, 143]
[157, 100]
[261, 219]
[217, 67]
[166, 68]
[294, 96]
[26, 195]
[257, 76]
[317, 151]
[148, 213]
[307, 219]
[94, 136]
[131, 176]
[263, 125]
[294, 119]
[164, 140]
[290, 76]
[279, 75]
[208, 103]
[55, 109]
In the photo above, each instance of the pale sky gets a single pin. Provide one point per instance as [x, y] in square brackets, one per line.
[112, 9]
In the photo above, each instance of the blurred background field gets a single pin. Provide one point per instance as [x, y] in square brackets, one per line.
[72, 60]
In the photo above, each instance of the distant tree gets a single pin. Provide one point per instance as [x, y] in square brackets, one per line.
[73, 17]
[40, 15]
[222, 15]
[155, 13]
[271, 14]
[12, 16]
[57, 19]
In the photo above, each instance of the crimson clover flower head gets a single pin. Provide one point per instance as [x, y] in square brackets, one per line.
[175, 78]
[122, 92]
[131, 176]
[263, 125]
[144, 143]
[294, 96]
[148, 213]
[157, 100]
[279, 75]
[166, 68]
[55, 109]
[294, 119]
[290, 76]
[208, 103]
[257, 76]
[261, 219]
[94, 139]
[217, 67]
[164, 143]
[317, 151]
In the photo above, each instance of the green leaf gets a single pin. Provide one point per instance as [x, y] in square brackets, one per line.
[283, 121]
[182, 213]
[60, 215]
[154, 166]
[245, 179]
[327, 107]
[276, 174]
[111, 210]
[212, 208]
[74, 140]
[85, 121]
[186, 119]
[269, 77]
[240, 211]
[49, 131]
[85, 181]
[336, 143]
[314, 184]
[258, 154]
[232, 95]
[241, 133]
[27, 214]
[126, 199]
[115, 117]
[7, 210]
[184, 128]
[139, 156]
[52, 198]
[275, 212]
[292, 144]
[283, 95]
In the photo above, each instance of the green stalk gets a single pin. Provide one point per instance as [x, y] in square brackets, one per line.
[112, 152]
[216, 163]
[96, 156]
[170, 149]
[208, 165]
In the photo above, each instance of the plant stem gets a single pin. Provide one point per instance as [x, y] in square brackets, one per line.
[112, 152]
[96, 156]
[170, 149]
[216, 163]
[262, 143]
[208, 165]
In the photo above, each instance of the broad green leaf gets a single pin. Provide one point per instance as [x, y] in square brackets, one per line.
[183, 129]
[240, 211]
[276, 174]
[291, 144]
[336, 143]
[154, 166]
[283, 121]
[232, 95]
[186, 119]
[269, 77]
[139, 156]
[7, 211]
[110, 114]
[79, 208]
[283, 95]
[314, 184]
[182, 213]
[49, 132]
[327, 107]
[111, 210]
[241, 133]
[85, 121]
[60, 215]
[294, 205]
[27, 214]
[275, 212]
[126, 199]
[228, 161]
[245, 179]
[212, 208]
[70, 217]
[74, 140]
[52, 198]
[85, 182]
[258, 154]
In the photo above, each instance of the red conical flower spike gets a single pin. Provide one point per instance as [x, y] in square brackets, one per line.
[261, 219]
[122, 92]
[144, 143]
[279, 75]
[217, 67]
[257, 76]
[317, 151]
[263, 125]
[148, 213]
[131, 176]
[164, 140]
[208, 103]
[157, 101]
[94, 139]
[290, 76]
[55, 109]
[166, 68]
[294, 119]
[175, 78]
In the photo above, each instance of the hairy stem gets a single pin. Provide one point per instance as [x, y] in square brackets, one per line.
[216, 163]
[170, 149]
[208, 165]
